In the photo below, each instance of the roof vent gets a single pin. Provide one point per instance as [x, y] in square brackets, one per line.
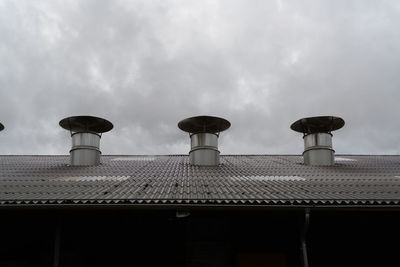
[318, 138]
[204, 132]
[1, 127]
[86, 133]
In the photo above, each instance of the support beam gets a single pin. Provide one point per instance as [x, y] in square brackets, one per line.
[303, 237]
[57, 240]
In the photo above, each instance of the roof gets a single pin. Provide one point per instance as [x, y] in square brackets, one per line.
[249, 180]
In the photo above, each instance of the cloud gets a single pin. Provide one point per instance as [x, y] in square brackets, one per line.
[145, 65]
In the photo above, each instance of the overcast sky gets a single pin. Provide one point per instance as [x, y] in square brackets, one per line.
[146, 65]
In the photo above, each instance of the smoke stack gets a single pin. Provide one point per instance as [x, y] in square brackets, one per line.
[317, 137]
[85, 133]
[204, 132]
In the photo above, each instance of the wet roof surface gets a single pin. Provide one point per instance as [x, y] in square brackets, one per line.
[163, 180]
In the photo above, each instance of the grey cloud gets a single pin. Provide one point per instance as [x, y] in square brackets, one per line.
[145, 65]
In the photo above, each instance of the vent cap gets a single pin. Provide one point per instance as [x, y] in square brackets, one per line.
[321, 124]
[204, 124]
[86, 124]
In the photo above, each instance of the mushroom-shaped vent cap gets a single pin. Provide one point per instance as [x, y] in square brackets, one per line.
[86, 124]
[322, 124]
[1, 127]
[204, 124]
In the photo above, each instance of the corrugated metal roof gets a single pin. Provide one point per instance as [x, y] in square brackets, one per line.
[166, 180]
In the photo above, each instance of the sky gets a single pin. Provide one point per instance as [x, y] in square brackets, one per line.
[146, 65]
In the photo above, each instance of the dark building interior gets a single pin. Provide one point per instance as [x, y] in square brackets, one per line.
[116, 237]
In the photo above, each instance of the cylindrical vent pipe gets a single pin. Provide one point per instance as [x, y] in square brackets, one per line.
[318, 150]
[85, 133]
[204, 149]
[204, 133]
[85, 149]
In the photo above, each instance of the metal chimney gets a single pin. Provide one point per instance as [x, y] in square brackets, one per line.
[86, 133]
[204, 132]
[317, 137]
